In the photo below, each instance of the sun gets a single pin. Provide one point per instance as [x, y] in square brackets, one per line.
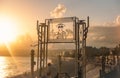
[7, 29]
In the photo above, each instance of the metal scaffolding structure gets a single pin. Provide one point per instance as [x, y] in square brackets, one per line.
[52, 32]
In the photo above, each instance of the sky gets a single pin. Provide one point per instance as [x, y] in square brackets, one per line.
[104, 17]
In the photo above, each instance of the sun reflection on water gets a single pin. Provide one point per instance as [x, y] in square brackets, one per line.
[3, 67]
[9, 68]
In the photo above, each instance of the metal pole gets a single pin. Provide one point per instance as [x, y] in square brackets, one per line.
[38, 49]
[41, 49]
[83, 52]
[76, 47]
[88, 21]
[45, 63]
[46, 41]
[79, 51]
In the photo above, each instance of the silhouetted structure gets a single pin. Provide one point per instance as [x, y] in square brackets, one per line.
[53, 31]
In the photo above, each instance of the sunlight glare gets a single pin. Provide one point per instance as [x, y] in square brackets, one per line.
[7, 29]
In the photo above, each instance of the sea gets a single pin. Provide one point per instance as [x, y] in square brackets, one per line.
[12, 66]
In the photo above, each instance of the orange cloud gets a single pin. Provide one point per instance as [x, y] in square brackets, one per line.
[117, 20]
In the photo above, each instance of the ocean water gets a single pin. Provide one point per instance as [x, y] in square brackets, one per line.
[11, 66]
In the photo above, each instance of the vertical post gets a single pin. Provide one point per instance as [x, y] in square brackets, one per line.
[88, 21]
[59, 65]
[82, 32]
[76, 47]
[32, 63]
[79, 50]
[47, 35]
[41, 50]
[102, 72]
[84, 47]
[44, 45]
[38, 52]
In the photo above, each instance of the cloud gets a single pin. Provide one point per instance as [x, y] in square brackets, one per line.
[58, 11]
[113, 23]
[103, 36]
[117, 21]
[103, 24]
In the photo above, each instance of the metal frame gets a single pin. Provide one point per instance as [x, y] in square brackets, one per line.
[81, 30]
